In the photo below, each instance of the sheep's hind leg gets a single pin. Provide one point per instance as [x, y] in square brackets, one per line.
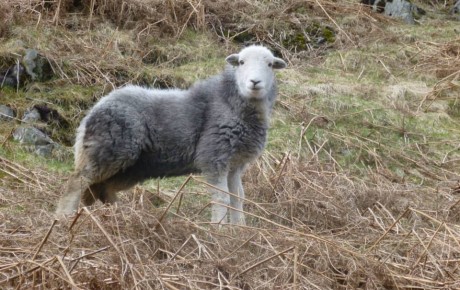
[109, 197]
[107, 192]
[220, 198]
[114, 185]
[95, 191]
[235, 186]
[69, 202]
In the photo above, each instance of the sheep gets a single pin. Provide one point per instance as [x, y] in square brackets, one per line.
[215, 128]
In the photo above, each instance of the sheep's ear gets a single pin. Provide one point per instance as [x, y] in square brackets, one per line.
[278, 63]
[233, 59]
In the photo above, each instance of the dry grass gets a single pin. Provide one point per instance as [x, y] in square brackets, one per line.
[310, 228]
[443, 60]
[6, 16]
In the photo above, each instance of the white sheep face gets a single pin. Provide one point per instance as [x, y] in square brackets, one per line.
[254, 70]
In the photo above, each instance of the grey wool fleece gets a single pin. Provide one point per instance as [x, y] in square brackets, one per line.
[141, 133]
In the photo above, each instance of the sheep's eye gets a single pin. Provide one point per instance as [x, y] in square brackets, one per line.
[270, 64]
[241, 62]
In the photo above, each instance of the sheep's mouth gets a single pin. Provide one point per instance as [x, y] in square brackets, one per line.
[255, 88]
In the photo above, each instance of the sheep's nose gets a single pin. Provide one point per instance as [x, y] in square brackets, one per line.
[255, 82]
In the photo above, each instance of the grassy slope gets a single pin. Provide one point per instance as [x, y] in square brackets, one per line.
[368, 107]
[356, 94]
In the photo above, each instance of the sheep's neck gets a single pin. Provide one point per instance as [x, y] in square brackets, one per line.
[256, 112]
[261, 110]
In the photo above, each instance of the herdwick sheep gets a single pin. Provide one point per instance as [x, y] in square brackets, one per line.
[216, 128]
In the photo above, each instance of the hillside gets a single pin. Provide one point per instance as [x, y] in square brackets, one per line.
[358, 187]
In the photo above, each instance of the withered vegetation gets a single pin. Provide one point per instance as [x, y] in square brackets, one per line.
[342, 234]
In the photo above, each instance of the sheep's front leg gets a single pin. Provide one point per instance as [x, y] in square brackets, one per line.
[220, 198]
[235, 186]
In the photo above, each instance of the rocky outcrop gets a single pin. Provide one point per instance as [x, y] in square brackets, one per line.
[32, 115]
[34, 140]
[12, 76]
[45, 114]
[455, 11]
[401, 9]
[33, 132]
[34, 67]
[37, 66]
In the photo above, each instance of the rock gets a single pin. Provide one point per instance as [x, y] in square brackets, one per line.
[402, 9]
[35, 140]
[37, 66]
[6, 113]
[8, 81]
[12, 76]
[51, 116]
[45, 150]
[29, 135]
[45, 114]
[29, 62]
[32, 115]
[455, 11]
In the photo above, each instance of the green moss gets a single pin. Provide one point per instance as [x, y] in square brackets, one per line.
[315, 34]
[297, 41]
[329, 34]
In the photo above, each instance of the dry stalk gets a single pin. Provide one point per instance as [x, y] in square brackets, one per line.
[425, 251]
[106, 234]
[180, 248]
[179, 192]
[67, 273]
[388, 230]
[242, 245]
[76, 260]
[50, 260]
[265, 260]
[45, 238]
